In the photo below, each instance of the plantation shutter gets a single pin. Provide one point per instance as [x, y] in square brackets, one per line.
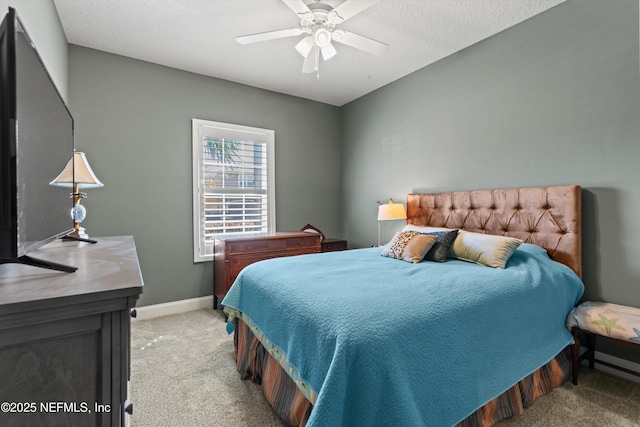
[234, 180]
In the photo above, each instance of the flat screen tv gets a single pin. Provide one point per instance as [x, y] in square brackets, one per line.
[36, 142]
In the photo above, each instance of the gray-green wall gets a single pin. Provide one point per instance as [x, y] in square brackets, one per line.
[43, 25]
[133, 120]
[554, 100]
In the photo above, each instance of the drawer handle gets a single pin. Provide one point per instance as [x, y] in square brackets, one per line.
[129, 409]
[134, 313]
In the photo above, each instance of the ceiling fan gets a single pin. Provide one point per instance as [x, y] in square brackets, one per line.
[318, 22]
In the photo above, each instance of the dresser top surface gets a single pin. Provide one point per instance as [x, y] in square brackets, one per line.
[109, 265]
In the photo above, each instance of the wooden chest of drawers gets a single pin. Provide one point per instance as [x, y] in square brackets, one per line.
[232, 254]
[334, 245]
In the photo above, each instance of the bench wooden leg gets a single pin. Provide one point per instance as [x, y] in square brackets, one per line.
[575, 356]
[591, 353]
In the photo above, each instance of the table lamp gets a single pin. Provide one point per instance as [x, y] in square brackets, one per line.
[79, 176]
[388, 211]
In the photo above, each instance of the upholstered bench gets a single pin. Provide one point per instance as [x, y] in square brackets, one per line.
[613, 321]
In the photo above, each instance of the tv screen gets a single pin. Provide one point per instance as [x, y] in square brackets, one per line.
[37, 142]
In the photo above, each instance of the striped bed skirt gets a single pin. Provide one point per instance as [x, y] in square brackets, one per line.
[255, 363]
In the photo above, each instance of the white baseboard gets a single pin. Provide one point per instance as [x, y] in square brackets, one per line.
[620, 362]
[173, 307]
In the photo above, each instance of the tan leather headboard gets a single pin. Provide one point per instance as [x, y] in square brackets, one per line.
[550, 217]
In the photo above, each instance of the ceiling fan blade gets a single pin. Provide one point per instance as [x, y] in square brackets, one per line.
[348, 9]
[328, 52]
[312, 61]
[270, 35]
[360, 42]
[298, 7]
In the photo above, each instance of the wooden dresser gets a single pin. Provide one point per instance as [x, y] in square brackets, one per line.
[64, 337]
[334, 245]
[232, 254]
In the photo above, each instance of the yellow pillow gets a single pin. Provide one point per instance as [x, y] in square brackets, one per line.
[409, 246]
[486, 249]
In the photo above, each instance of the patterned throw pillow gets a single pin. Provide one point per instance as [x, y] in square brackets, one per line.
[440, 249]
[409, 246]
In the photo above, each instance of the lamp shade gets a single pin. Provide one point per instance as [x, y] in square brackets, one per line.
[391, 210]
[78, 172]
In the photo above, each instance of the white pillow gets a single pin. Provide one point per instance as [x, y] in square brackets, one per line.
[486, 249]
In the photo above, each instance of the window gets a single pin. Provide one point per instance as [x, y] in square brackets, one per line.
[233, 182]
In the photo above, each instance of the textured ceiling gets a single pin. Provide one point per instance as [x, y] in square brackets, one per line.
[199, 36]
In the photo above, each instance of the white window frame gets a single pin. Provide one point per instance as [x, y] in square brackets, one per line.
[202, 249]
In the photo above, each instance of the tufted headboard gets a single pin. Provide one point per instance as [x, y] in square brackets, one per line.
[550, 217]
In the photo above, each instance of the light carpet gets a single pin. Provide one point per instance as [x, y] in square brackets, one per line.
[183, 374]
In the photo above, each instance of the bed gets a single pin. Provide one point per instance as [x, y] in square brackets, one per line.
[355, 338]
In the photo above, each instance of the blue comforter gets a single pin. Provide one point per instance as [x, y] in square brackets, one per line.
[374, 341]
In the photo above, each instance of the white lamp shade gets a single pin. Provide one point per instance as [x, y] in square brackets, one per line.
[391, 211]
[79, 172]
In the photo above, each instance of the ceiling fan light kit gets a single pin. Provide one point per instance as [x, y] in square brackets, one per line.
[318, 23]
[304, 46]
[322, 37]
